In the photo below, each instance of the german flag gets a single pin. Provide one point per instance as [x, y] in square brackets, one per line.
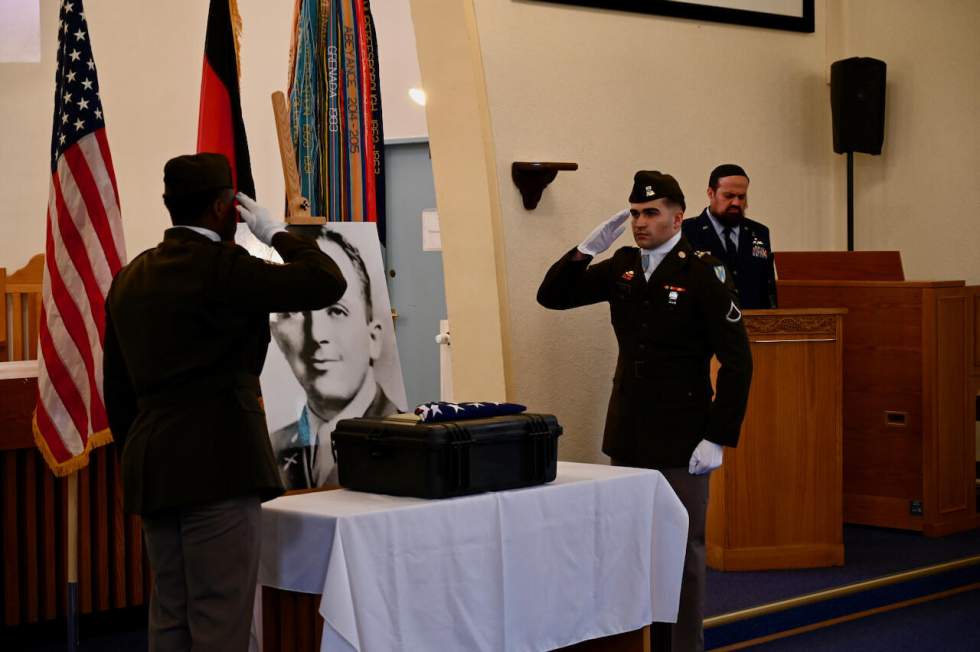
[220, 128]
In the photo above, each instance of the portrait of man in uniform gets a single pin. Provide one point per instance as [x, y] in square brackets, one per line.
[336, 363]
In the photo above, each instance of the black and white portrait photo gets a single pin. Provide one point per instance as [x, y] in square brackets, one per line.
[331, 364]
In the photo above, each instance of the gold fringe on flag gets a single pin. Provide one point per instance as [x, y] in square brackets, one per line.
[236, 30]
[77, 462]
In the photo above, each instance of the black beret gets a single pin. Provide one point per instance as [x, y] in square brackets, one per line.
[725, 170]
[195, 173]
[649, 185]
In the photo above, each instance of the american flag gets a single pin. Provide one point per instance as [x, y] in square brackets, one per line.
[442, 411]
[84, 249]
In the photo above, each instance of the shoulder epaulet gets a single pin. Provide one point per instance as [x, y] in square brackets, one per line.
[706, 258]
[716, 265]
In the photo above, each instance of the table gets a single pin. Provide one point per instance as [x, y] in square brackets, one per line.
[597, 552]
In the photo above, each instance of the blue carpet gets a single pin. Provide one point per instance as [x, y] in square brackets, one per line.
[868, 553]
[948, 624]
[823, 611]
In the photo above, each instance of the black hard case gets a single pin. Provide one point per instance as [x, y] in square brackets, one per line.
[396, 456]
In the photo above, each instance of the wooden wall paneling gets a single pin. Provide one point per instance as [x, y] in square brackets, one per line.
[33, 516]
[11, 547]
[291, 622]
[33, 315]
[3, 315]
[62, 520]
[271, 620]
[85, 594]
[950, 454]
[881, 511]
[28, 525]
[134, 561]
[119, 568]
[287, 616]
[49, 547]
[975, 322]
[16, 327]
[882, 466]
[929, 417]
[311, 625]
[100, 527]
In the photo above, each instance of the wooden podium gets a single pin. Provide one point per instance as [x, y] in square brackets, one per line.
[909, 448]
[776, 501]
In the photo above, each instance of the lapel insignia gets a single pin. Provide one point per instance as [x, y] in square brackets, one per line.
[681, 255]
[628, 275]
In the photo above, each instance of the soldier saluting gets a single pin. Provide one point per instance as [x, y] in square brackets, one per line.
[672, 309]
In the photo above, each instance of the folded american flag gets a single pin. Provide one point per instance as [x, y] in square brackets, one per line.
[440, 411]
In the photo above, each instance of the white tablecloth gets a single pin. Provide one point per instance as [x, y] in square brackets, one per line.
[597, 552]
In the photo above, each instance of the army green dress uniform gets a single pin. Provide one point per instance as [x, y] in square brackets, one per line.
[187, 328]
[668, 328]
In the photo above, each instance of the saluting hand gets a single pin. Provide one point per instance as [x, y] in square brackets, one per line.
[258, 219]
[605, 234]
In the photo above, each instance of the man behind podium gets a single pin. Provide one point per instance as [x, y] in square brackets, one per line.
[187, 328]
[743, 244]
[671, 310]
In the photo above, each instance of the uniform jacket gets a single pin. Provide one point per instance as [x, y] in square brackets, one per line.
[755, 274]
[667, 329]
[187, 328]
[295, 459]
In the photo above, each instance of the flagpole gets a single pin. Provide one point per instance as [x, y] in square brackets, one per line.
[72, 561]
[298, 208]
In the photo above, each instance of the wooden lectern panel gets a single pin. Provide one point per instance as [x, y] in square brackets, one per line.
[839, 266]
[776, 501]
[909, 448]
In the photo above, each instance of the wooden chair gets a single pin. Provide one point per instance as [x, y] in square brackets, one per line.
[21, 309]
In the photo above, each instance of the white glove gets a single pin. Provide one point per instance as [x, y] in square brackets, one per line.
[258, 220]
[605, 234]
[705, 458]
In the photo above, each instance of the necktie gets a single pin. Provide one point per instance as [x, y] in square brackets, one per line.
[731, 254]
[645, 259]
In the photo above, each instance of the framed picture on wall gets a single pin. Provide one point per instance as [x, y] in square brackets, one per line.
[791, 15]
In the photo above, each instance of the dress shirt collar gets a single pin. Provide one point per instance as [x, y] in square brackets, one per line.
[657, 254]
[207, 233]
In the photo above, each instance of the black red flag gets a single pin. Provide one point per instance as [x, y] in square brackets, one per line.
[220, 128]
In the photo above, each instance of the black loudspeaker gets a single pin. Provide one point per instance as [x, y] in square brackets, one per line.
[857, 102]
